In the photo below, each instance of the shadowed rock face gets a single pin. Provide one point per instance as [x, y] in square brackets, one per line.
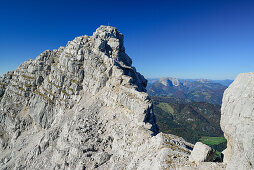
[83, 106]
[237, 122]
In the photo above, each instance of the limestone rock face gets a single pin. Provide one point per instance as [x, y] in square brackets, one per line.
[238, 124]
[83, 106]
[202, 153]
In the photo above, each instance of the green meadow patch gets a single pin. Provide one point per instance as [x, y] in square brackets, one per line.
[217, 143]
[212, 140]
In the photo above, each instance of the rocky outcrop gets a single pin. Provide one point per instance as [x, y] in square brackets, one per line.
[238, 124]
[83, 106]
[201, 153]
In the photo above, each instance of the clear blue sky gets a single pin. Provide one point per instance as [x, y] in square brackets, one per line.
[183, 38]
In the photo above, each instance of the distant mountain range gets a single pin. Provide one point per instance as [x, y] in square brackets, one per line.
[197, 90]
[225, 82]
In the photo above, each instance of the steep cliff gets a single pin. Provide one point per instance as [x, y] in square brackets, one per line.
[238, 124]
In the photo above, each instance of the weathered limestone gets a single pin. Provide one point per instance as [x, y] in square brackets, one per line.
[201, 153]
[238, 124]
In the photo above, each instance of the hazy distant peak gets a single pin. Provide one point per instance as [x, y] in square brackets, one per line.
[204, 81]
[169, 81]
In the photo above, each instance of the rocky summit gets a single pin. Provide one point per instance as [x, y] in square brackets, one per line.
[84, 106]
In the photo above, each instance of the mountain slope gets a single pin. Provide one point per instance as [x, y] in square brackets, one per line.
[191, 120]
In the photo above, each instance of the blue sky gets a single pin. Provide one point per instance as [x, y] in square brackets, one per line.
[182, 38]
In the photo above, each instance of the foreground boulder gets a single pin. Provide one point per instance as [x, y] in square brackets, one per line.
[202, 153]
[237, 122]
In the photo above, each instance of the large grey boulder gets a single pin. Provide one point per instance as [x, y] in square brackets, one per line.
[237, 122]
[201, 153]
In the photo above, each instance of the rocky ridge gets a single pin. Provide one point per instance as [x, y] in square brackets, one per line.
[84, 106]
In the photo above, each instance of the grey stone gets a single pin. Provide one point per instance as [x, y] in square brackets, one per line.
[202, 153]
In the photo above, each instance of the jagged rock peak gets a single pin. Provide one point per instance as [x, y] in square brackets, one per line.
[83, 98]
[83, 106]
